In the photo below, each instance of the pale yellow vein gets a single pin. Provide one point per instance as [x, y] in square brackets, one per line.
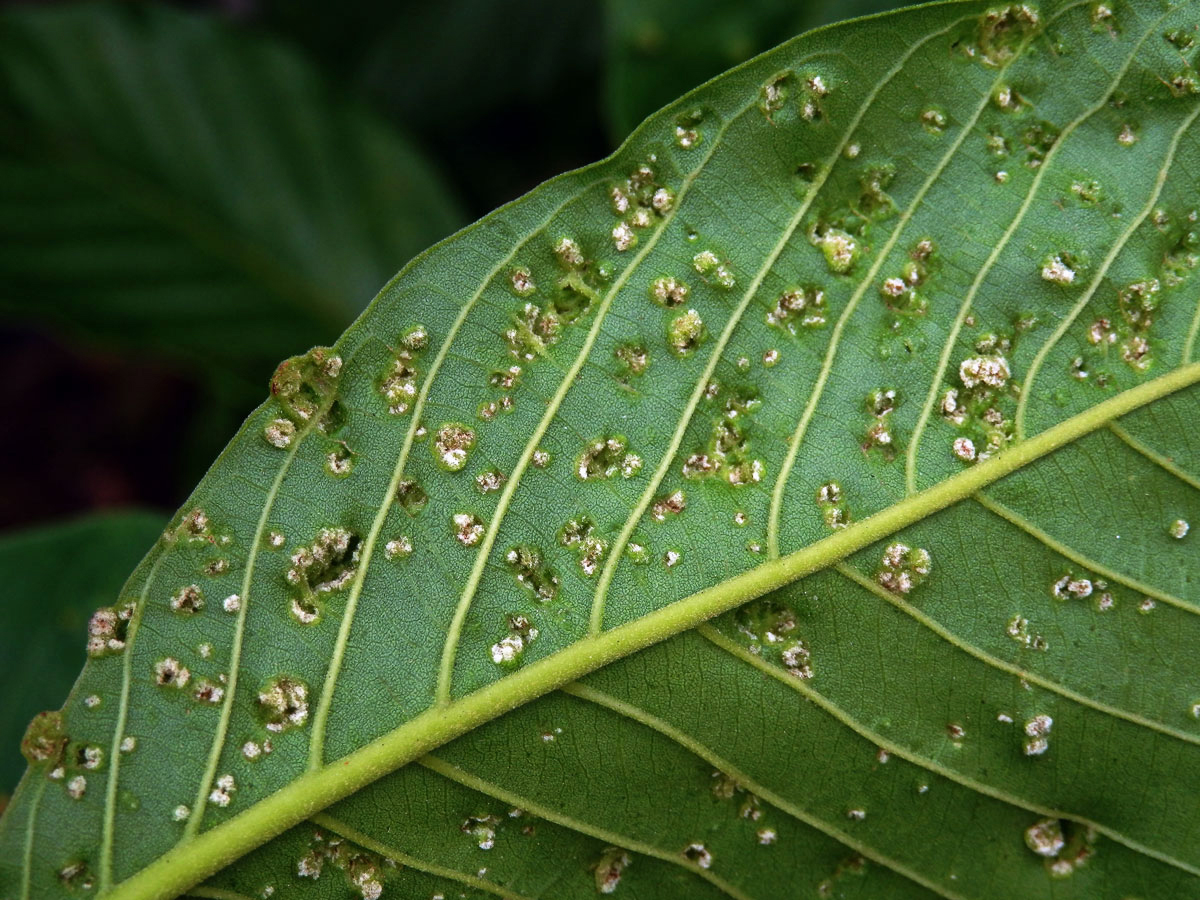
[107, 831]
[916, 759]
[1189, 345]
[367, 842]
[794, 810]
[618, 547]
[325, 703]
[910, 463]
[200, 804]
[1078, 558]
[1068, 320]
[31, 834]
[831, 352]
[1163, 462]
[483, 786]
[996, 663]
[446, 669]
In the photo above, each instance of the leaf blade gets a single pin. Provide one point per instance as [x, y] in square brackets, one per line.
[380, 714]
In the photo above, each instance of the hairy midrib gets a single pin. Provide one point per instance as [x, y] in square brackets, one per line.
[182, 867]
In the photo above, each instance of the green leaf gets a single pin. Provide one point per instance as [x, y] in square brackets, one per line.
[860, 569]
[167, 182]
[47, 605]
[658, 49]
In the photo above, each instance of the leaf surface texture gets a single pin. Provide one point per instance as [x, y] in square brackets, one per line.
[855, 392]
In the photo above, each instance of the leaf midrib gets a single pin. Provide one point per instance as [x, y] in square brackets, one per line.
[183, 866]
[724, 590]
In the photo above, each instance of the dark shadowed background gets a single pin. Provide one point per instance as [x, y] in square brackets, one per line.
[191, 192]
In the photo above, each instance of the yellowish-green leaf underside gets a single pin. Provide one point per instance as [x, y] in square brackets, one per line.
[797, 503]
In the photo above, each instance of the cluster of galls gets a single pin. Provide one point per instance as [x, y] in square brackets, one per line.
[1001, 33]
[509, 649]
[539, 326]
[605, 457]
[768, 626]
[832, 503]
[531, 572]
[901, 294]
[979, 407]
[903, 568]
[799, 307]
[726, 787]
[328, 564]
[728, 453]
[810, 91]
[107, 629]
[47, 746]
[399, 383]
[283, 704]
[579, 534]
[363, 870]
[880, 435]
[305, 388]
[1064, 845]
[641, 201]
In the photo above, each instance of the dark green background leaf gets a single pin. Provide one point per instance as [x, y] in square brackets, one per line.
[169, 183]
[504, 94]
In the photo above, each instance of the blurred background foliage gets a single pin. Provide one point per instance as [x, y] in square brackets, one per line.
[193, 191]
